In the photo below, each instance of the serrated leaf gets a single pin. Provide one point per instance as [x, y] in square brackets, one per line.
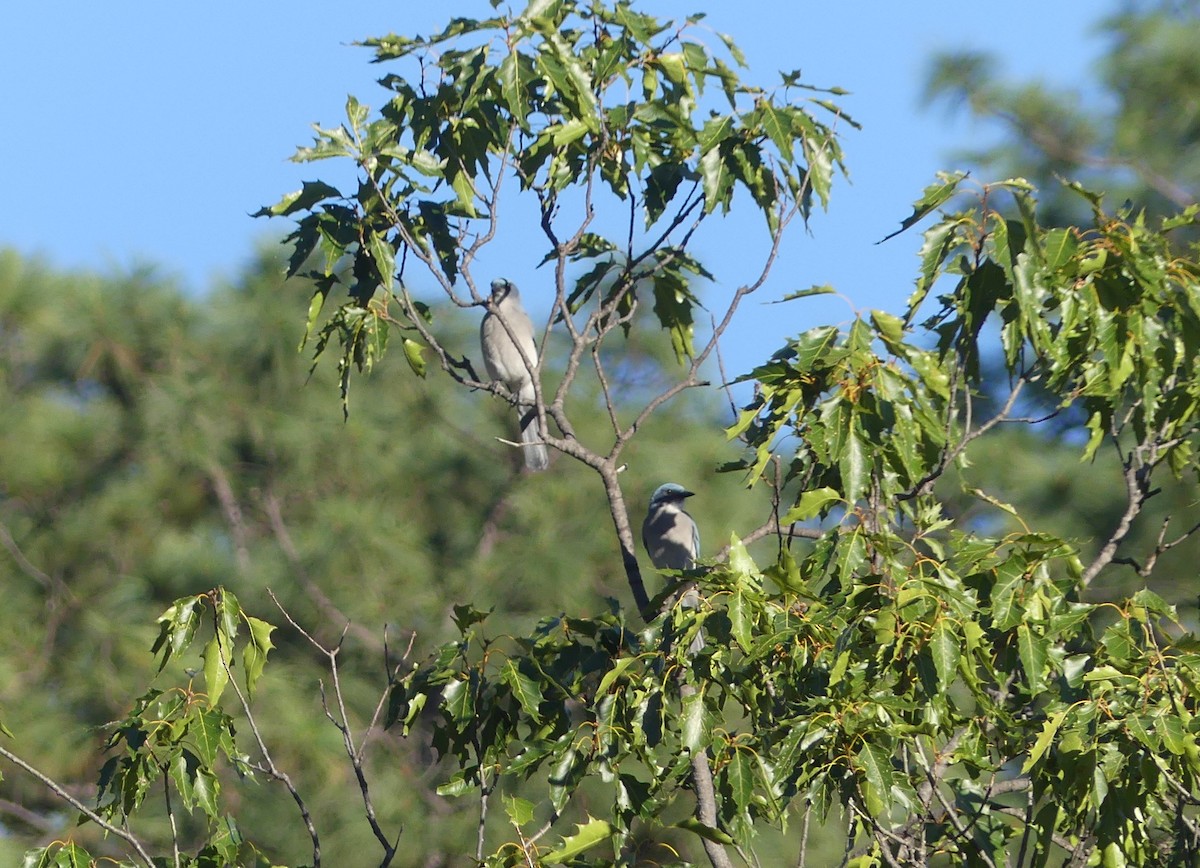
[178, 627]
[206, 731]
[254, 655]
[810, 504]
[520, 811]
[384, 259]
[695, 724]
[566, 775]
[739, 774]
[740, 620]
[875, 763]
[613, 674]
[933, 197]
[456, 786]
[739, 559]
[587, 835]
[778, 128]
[823, 289]
[716, 178]
[526, 689]
[1044, 740]
[205, 790]
[945, 650]
[303, 199]
[458, 699]
[736, 53]
[1033, 651]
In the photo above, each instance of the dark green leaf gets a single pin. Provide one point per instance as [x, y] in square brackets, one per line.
[933, 197]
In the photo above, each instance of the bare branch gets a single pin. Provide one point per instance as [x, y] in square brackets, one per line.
[1137, 491]
[270, 768]
[60, 791]
[949, 455]
[772, 526]
[342, 723]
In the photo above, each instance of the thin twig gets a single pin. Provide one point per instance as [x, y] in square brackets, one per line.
[270, 768]
[60, 791]
[342, 723]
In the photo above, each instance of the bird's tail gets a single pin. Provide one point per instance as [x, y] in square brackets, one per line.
[536, 455]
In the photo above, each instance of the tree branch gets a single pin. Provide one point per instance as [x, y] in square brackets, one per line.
[60, 791]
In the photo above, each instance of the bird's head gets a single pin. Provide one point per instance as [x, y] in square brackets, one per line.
[502, 288]
[669, 492]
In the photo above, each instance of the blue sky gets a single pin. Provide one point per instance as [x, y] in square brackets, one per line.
[145, 134]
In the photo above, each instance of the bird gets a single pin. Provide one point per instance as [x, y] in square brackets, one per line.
[672, 539]
[669, 533]
[505, 327]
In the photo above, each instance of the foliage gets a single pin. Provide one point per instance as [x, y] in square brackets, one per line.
[924, 681]
[1135, 138]
[569, 101]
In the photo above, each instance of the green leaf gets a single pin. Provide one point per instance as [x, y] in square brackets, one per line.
[1044, 740]
[207, 731]
[566, 775]
[739, 775]
[838, 672]
[823, 289]
[229, 616]
[717, 179]
[458, 699]
[414, 354]
[205, 790]
[457, 786]
[695, 723]
[741, 620]
[384, 259]
[736, 53]
[945, 650]
[1034, 654]
[854, 463]
[178, 627]
[527, 690]
[254, 655]
[933, 197]
[875, 764]
[778, 127]
[520, 811]
[216, 673]
[611, 676]
[303, 199]
[588, 835]
[740, 563]
[810, 504]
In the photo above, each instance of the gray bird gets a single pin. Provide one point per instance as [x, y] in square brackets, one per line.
[504, 363]
[672, 540]
[669, 534]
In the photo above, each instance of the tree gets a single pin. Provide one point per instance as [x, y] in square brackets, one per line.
[947, 689]
[1136, 139]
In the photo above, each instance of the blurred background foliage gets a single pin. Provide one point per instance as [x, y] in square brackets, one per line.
[155, 445]
[1133, 133]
